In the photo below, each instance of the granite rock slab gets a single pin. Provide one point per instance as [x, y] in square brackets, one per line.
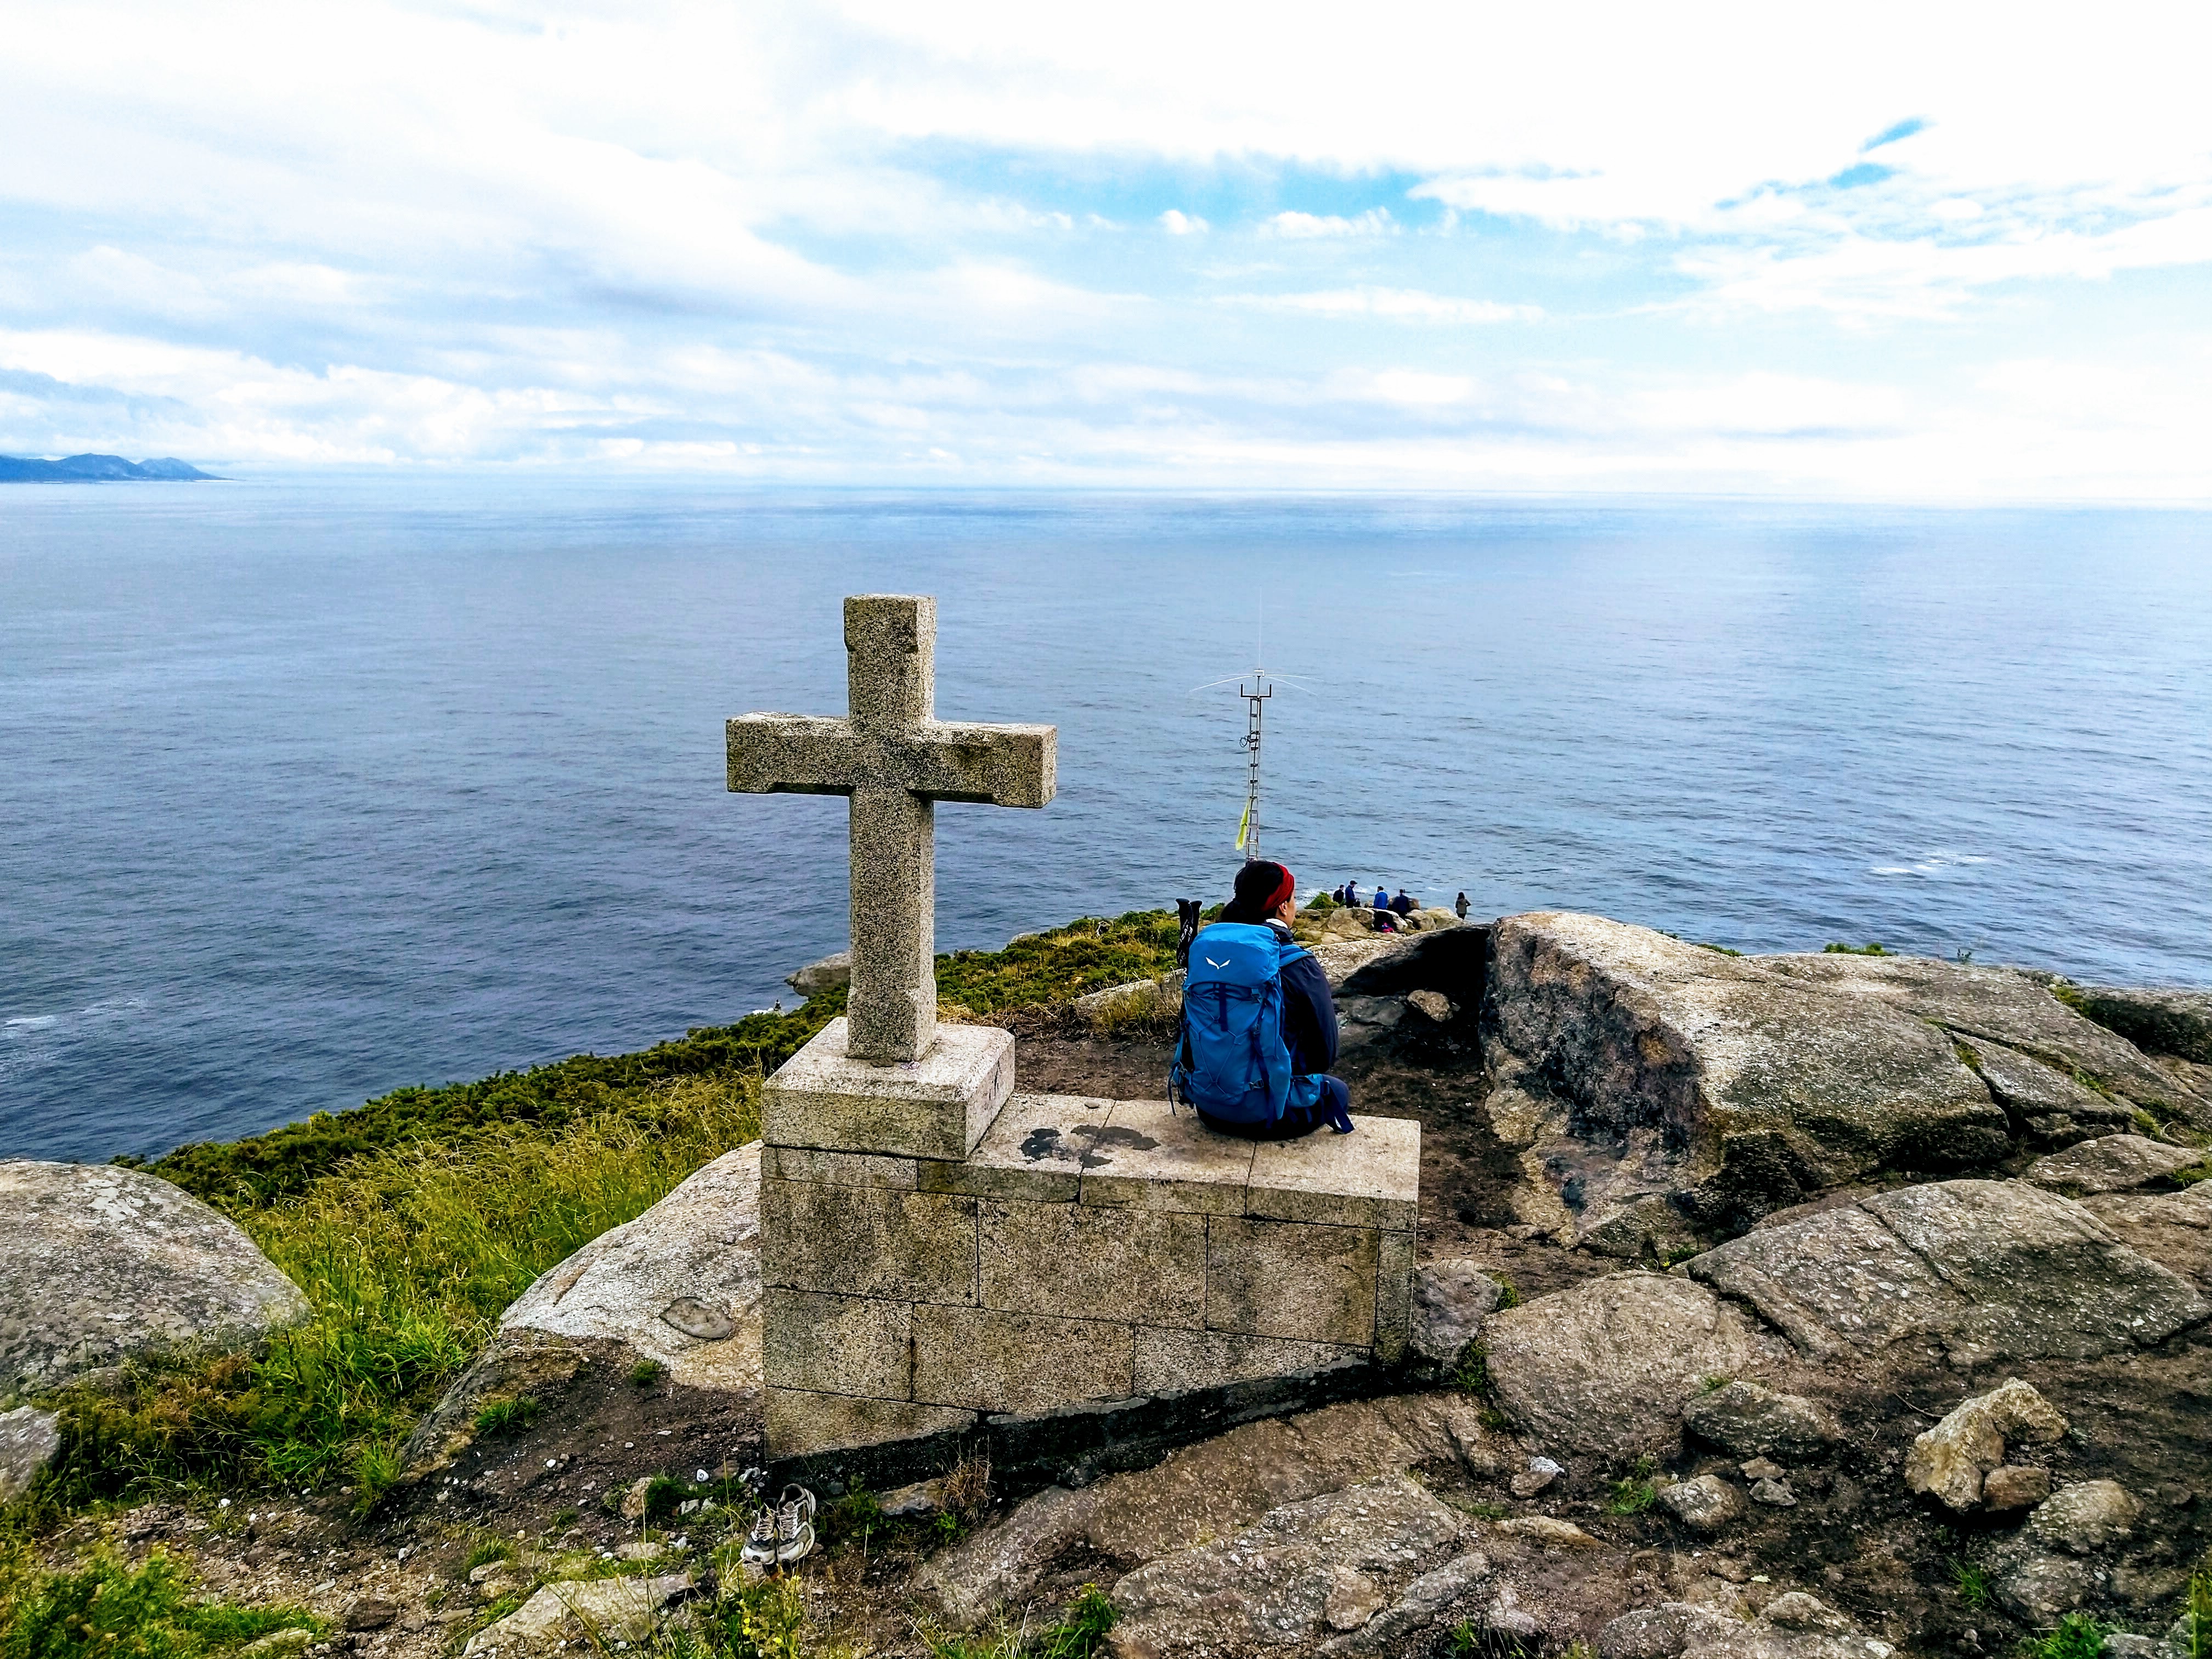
[2111, 1164]
[1983, 1269]
[1208, 1490]
[1272, 1583]
[679, 1284]
[1604, 1368]
[30, 1440]
[98, 1264]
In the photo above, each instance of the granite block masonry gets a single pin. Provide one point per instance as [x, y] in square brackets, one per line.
[937, 1250]
[1085, 1251]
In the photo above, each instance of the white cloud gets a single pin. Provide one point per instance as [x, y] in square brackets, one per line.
[1396, 304]
[1375, 222]
[855, 239]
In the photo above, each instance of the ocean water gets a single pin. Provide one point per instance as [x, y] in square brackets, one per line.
[311, 788]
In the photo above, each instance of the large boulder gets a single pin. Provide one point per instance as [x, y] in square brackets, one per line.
[1354, 921]
[1680, 1071]
[1989, 1269]
[1425, 1603]
[1300, 1571]
[598, 1612]
[2049, 1568]
[1209, 1490]
[98, 1264]
[1651, 1084]
[2002, 1005]
[2085, 1518]
[825, 974]
[1606, 1367]
[1341, 959]
[2158, 1021]
[1137, 1002]
[678, 1286]
[1793, 1625]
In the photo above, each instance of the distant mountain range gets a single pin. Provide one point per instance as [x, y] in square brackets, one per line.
[78, 469]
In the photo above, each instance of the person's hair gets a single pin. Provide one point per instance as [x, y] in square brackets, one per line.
[1257, 883]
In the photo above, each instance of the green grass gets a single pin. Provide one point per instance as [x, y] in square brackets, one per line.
[648, 1087]
[1471, 1374]
[1838, 949]
[408, 1255]
[485, 1552]
[2078, 1637]
[1508, 1295]
[2196, 1613]
[506, 1416]
[1633, 1493]
[645, 1373]
[107, 1609]
[1078, 1636]
[1058, 965]
[1973, 1584]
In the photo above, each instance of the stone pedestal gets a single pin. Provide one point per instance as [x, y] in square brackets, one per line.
[920, 1274]
[937, 1106]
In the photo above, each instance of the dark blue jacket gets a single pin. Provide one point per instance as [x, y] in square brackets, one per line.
[1308, 1013]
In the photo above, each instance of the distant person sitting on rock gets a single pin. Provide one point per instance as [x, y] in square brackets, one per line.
[1403, 904]
[1460, 904]
[1259, 1024]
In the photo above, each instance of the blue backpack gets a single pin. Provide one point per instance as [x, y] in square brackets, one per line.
[1231, 1058]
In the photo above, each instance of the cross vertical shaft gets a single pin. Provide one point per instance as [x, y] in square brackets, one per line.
[893, 1001]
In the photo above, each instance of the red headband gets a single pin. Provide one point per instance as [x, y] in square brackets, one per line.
[1287, 889]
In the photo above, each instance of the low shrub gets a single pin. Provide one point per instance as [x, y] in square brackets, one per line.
[2077, 1636]
[107, 1609]
[506, 1416]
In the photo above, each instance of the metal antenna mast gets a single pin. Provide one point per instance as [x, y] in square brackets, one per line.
[1256, 705]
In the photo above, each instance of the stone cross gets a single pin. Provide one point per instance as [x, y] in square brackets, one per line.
[895, 760]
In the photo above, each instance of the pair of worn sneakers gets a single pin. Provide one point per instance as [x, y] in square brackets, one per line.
[783, 1532]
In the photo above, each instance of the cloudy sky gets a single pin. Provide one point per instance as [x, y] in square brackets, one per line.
[1911, 252]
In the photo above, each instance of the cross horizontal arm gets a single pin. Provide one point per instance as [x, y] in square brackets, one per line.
[795, 755]
[995, 765]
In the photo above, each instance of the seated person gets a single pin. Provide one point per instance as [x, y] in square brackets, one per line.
[1259, 1024]
[1403, 904]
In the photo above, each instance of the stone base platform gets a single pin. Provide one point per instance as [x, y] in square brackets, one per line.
[1086, 1253]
